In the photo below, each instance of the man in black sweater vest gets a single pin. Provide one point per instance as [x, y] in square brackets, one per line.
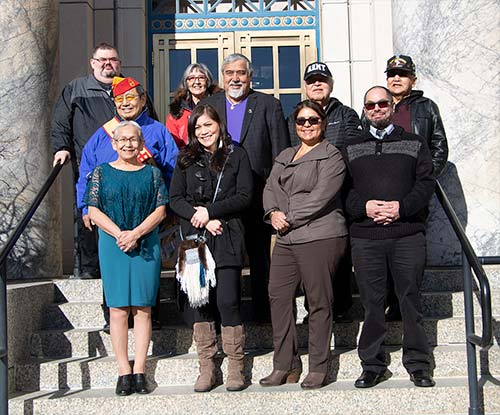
[391, 183]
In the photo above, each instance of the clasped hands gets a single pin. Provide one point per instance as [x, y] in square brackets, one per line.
[383, 212]
[201, 219]
[127, 240]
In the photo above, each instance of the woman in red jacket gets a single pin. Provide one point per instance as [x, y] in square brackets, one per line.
[197, 83]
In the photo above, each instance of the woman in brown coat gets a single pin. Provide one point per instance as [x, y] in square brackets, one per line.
[302, 203]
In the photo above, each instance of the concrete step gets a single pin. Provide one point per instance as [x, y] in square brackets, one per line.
[394, 397]
[168, 370]
[178, 339]
[435, 279]
[89, 314]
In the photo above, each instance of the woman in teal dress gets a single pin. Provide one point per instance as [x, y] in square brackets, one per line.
[127, 201]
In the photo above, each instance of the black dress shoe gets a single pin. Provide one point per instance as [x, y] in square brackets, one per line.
[141, 384]
[124, 385]
[369, 379]
[422, 378]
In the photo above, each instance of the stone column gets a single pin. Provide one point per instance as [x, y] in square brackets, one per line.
[28, 70]
[456, 45]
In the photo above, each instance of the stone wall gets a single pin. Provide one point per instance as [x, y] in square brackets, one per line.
[456, 45]
[29, 72]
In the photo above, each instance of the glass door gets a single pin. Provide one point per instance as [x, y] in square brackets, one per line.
[279, 59]
[172, 53]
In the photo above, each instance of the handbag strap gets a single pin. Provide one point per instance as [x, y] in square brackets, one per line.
[219, 178]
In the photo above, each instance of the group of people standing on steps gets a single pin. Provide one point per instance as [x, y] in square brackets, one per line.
[338, 192]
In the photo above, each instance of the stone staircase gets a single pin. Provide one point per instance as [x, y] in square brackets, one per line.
[72, 368]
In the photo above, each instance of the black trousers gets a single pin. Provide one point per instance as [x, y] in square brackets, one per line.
[258, 246]
[224, 300]
[86, 255]
[405, 258]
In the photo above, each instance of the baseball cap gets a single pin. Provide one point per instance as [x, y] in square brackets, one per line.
[401, 63]
[317, 68]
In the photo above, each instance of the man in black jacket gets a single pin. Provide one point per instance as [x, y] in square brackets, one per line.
[391, 183]
[419, 115]
[414, 112]
[343, 121]
[84, 105]
[343, 124]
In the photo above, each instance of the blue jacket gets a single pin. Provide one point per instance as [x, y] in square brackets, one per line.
[99, 150]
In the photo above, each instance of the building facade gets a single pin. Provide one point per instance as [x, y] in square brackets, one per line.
[157, 39]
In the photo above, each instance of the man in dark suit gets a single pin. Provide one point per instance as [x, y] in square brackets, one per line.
[255, 122]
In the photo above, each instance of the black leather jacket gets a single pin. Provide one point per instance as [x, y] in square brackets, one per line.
[426, 122]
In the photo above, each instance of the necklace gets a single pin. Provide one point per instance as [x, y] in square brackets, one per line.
[232, 104]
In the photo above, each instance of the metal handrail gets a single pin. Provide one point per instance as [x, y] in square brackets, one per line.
[471, 261]
[4, 367]
[29, 213]
[485, 340]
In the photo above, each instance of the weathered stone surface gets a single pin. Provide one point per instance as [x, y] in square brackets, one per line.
[461, 75]
[28, 68]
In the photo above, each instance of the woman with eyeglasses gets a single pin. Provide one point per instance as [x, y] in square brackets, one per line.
[302, 203]
[126, 200]
[211, 188]
[197, 83]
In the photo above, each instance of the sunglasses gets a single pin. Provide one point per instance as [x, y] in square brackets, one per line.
[369, 106]
[129, 98]
[311, 120]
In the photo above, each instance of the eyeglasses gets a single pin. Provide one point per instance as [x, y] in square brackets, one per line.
[311, 120]
[200, 78]
[370, 106]
[128, 98]
[103, 60]
[231, 73]
[125, 140]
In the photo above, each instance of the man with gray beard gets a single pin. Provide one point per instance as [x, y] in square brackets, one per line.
[255, 122]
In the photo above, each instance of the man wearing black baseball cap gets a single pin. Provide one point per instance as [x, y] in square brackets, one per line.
[419, 115]
[343, 124]
[343, 121]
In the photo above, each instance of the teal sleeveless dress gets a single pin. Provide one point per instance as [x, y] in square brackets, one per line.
[127, 198]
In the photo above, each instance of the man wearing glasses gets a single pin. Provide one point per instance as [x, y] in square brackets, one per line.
[159, 146]
[343, 121]
[419, 115]
[255, 122]
[84, 105]
[391, 183]
[130, 100]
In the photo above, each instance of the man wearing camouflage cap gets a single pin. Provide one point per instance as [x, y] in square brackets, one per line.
[419, 115]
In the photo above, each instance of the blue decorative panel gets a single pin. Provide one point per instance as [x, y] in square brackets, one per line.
[181, 16]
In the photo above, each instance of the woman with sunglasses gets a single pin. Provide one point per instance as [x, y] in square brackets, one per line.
[197, 83]
[211, 188]
[302, 203]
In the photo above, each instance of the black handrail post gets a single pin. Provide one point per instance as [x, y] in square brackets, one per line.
[4, 364]
[474, 405]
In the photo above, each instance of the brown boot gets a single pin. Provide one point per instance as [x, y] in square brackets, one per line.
[233, 340]
[206, 346]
